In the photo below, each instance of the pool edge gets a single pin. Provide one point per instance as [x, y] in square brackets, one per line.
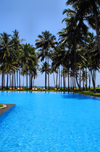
[4, 110]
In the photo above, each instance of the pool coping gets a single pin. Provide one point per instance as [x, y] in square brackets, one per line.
[4, 109]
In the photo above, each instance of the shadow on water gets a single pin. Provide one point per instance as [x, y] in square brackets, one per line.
[77, 96]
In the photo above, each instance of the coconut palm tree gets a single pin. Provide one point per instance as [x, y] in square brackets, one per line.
[6, 50]
[85, 10]
[72, 37]
[18, 46]
[45, 42]
[90, 11]
[29, 62]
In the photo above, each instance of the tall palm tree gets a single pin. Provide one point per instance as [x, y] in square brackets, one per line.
[72, 36]
[29, 62]
[85, 10]
[17, 46]
[90, 11]
[6, 50]
[45, 42]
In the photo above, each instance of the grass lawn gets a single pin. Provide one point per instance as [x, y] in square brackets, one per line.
[1, 105]
[90, 93]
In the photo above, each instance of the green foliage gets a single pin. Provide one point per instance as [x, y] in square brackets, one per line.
[1, 105]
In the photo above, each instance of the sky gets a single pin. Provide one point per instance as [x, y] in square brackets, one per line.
[30, 18]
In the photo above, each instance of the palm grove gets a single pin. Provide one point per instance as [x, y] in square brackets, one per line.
[74, 56]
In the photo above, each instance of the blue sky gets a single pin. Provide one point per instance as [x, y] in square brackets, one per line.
[30, 18]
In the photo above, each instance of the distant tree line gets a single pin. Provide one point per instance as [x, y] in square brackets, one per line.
[16, 59]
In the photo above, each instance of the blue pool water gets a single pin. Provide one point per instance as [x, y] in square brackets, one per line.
[50, 122]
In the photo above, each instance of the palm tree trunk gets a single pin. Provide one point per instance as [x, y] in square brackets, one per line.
[12, 79]
[17, 78]
[7, 80]
[57, 79]
[48, 73]
[89, 80]
[4, 80]
[2, 75]
[90, 68]
[27, 81]
[45, 79]
[30, 81]
[93, 82]
[68, 71]
[61, 82]
[23, 80]
[59, 76]
[33, 82]
[86, 78]
[83, 78]
[48, 80]
[54, 79]
[80, 78]
[94, 75]
[75, 69]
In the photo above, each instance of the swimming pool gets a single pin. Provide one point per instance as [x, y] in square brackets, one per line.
[50, 122]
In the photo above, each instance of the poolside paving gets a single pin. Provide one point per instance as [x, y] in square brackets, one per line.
[7, 107]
